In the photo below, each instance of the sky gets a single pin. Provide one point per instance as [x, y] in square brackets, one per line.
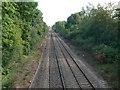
[59, 10]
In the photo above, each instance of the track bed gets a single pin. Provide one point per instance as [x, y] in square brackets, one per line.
[59, 67]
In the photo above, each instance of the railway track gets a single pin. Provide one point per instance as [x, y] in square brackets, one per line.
[59, 67]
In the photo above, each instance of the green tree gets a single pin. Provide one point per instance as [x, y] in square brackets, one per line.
[23, 28]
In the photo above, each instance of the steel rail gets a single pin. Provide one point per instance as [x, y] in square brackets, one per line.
[69, 65]
[59, 67]
[74, 61]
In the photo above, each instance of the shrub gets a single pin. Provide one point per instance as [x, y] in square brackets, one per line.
[108, 53]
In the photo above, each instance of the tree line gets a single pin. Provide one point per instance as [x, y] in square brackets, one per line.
[95, 28]
[22, 29]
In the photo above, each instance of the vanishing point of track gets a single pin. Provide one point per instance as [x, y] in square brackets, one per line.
[59, 67]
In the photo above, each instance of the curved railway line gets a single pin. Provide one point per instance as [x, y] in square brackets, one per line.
[59, 67]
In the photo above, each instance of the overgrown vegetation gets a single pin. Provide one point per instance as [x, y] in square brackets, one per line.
[23, 29]
[95, 28]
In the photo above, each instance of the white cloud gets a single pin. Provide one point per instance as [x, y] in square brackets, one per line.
[58, 10]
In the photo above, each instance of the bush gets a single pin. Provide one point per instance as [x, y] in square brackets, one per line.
[22, 28]
[93, 28]
[72, 35]
[107, 52]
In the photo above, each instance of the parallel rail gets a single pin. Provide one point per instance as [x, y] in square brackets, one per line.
[90, 84]
[70, 72]
[59, 67]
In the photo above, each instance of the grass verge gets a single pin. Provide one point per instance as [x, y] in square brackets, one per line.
[20, 74]
[109, 72]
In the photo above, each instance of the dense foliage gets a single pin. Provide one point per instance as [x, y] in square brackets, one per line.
[95, 29]
[23, 27]
[0, 33]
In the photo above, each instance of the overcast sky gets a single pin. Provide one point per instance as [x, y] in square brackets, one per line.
[58, 10]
